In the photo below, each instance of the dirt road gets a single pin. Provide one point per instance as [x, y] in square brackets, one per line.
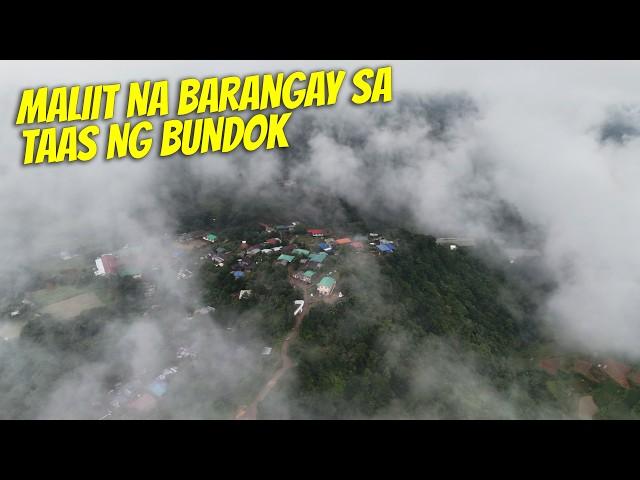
[250, 412]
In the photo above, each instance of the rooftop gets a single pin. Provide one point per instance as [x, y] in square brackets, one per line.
[158, 388]
[327, 282]
[318, 257]
[286, 258]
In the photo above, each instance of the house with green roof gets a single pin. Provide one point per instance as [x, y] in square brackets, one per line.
[326, 285]
[304, 276]
[285, 259]
[301, 252]
[128, 271]
[318, 257]
[210, 237]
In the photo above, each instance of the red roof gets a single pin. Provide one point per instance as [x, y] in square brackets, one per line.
[110, 263]
[343, 241]
[315, 231]
[143, 403]
[273, 241]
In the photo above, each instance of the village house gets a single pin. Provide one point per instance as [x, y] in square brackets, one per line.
[343, 241]
[210, 237]
[324, 247]
[245, 262]
[289, 248]
[107, 264]
[385, 248]
[285, 259]
[318, 257]
[304, 276]
[326, 286]
[217, 259]
[315, 232]
[273, 241]
[301, 252]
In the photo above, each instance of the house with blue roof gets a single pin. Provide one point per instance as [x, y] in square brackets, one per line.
[386, 248]
[158, 388]
[324, 246]
[238, 274]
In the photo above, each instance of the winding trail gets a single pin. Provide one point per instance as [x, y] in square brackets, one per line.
[250, 412]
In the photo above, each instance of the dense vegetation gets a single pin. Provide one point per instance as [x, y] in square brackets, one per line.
[267, 313]
[359, 357]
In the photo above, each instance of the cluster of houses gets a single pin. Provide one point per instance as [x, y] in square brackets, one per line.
[381, 244]
[310, 262]
[140, 397]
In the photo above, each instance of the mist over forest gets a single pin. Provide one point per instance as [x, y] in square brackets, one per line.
[534, 318]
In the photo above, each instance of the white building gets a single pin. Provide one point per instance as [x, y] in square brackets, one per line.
[100, 267]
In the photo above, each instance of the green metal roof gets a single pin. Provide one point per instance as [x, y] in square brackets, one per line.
[287, 258]
[127, 272]
[300, 251]
[318, 257]
[327, 282]
[309, 273]
[212, 237]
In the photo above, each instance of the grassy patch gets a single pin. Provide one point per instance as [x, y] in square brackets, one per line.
[47, 296]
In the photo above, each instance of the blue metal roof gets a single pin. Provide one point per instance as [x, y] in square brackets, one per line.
[238, 274]
[385, 248]
[158, 388]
